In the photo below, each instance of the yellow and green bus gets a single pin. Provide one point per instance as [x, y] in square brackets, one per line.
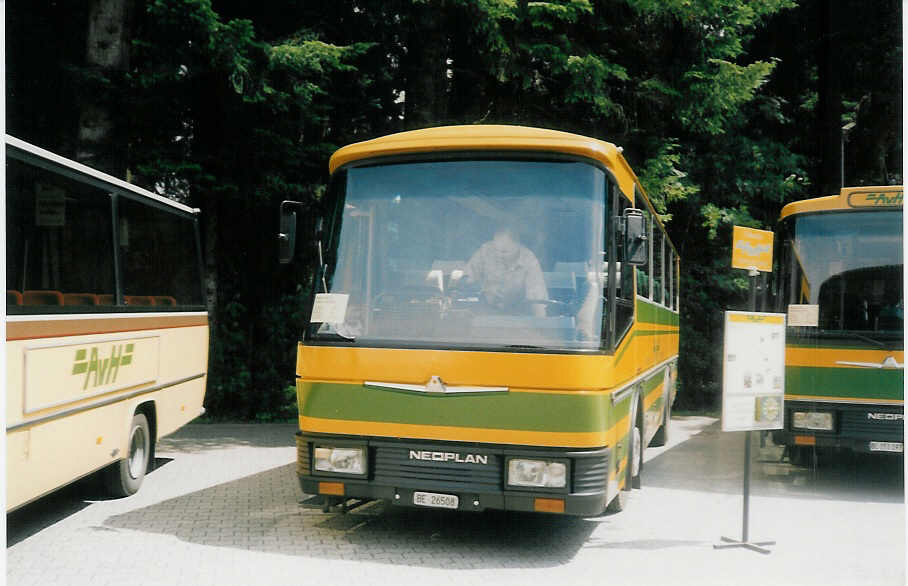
[106, 325]
[839, 277]
[495, 324]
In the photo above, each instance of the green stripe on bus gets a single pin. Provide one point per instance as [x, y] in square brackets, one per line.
[653, 381]
[869, 383]
[552, 412]
[649, 312]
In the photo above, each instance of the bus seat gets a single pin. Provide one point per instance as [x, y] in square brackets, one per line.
[80, 299]
[449, 265]
[561, 286]
[165, 300]
[564, 282]
[106, 299]
[579, 268]
[13, 297]
[42, 298]
[139, 300]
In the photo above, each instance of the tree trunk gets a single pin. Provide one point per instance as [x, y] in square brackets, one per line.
[426, 67]
[107, 54]
[829, 102]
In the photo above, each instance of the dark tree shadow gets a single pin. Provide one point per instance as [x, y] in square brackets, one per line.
[713, 461]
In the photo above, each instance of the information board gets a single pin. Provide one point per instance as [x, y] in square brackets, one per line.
[753, 371]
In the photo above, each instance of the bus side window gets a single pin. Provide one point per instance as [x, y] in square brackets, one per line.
[644, 272]
[677, 270]
[658, 272]
[155, 271]
[59, 240]
[624, 302]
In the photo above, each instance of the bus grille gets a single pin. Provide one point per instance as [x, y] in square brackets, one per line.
[590, 474]
[302, 456]
[859, 424]
[394, 467]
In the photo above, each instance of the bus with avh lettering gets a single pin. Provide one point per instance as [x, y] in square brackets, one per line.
[494, 325]
[106, 324]
[839, 278]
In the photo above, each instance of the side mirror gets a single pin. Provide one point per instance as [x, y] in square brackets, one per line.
[287, 235]
[636, 250]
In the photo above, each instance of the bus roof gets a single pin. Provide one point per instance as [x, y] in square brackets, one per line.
[497, 137]
[81, 169]
[489, 138]
[850, 198]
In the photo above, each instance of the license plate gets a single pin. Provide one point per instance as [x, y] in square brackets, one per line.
[433, 499]
[887, 447]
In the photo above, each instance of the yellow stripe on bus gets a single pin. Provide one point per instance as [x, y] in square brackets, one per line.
[831, 357]
[828, 399]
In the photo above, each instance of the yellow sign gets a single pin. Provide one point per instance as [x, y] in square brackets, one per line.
[752, 249]
[756, 318]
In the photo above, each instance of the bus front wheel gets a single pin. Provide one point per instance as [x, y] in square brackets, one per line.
[125, 477]
[633, 466]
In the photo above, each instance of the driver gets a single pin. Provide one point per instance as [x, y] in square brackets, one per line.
[509, 275]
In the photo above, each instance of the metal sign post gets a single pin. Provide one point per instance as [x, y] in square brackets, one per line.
[753, 368]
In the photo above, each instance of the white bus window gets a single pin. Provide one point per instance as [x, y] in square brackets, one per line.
[59, 242]
[158, 257]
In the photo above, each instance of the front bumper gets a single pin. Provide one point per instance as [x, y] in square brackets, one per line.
[394, 476]
[856, 427]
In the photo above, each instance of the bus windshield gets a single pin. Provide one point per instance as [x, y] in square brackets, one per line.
[850, 264]
[468, 253]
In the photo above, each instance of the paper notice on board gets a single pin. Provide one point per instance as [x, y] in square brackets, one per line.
[804, 315]
[753, 372]
[50, 206]
[329, 308]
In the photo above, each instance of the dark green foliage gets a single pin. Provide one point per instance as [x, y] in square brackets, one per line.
[234, 106]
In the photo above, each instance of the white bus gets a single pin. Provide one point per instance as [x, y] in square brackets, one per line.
[106, 326]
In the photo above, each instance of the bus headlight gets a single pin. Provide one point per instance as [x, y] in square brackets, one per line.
[539, 473]
[346, 460]
[812, 420]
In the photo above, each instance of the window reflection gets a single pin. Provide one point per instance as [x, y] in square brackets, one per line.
[481, 253]
[850, 264]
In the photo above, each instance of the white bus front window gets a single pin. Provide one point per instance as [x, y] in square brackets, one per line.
[486, 253]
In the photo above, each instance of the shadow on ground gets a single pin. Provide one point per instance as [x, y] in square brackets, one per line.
[58, 505]
[267, 513]
[201, 437]
[713, 461]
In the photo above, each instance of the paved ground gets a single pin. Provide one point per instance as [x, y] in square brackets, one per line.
[224, 507]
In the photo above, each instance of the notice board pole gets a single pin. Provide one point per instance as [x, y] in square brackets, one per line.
[745, 534]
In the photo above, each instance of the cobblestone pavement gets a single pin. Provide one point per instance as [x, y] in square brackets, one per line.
[224, 507]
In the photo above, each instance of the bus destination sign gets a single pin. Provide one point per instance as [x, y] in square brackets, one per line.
[875, 199]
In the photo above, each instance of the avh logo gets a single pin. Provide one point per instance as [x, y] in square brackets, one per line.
[102, 371]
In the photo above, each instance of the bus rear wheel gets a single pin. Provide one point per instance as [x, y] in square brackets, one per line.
[661, 437]
[125, 477]
[635, 458]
